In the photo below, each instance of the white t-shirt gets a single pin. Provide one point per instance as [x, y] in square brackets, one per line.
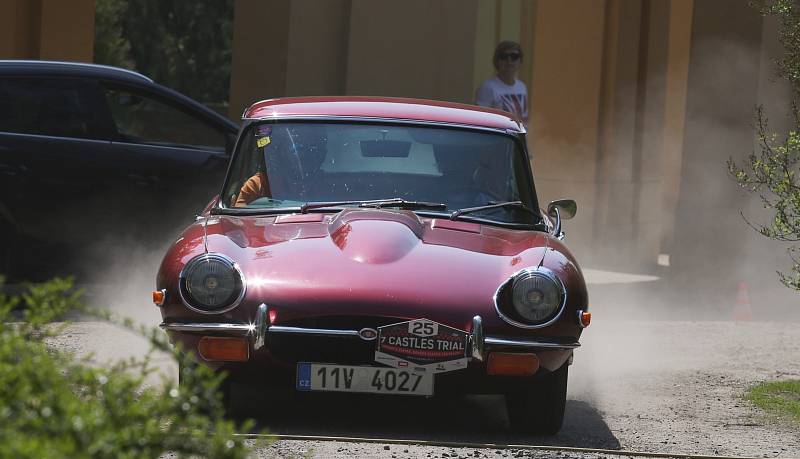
[495, 93]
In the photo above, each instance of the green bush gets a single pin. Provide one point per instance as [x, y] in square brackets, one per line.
[53, 404]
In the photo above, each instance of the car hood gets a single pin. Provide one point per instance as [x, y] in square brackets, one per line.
[372, 261]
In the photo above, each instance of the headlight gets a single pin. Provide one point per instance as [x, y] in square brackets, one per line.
[212, 284]
[531, 298]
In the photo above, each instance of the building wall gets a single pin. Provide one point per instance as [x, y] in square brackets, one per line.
[722, 93]
[565, 103]
[47, 29]
[414, 48]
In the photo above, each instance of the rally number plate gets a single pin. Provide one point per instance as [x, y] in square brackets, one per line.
[344, 378]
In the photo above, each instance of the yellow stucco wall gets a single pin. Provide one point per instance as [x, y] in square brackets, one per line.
[47, 29]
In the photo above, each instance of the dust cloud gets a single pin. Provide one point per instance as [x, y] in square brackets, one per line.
[721, 273]
[125, 284]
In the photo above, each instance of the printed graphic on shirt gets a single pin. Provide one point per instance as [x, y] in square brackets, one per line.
[497, 94]
[515, 103]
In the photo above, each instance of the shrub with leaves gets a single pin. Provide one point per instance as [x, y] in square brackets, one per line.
[772, 171]
[53, 404]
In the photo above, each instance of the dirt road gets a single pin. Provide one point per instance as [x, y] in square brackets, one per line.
[672, 386]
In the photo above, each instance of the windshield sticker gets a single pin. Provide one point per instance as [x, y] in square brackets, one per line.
[263, 142]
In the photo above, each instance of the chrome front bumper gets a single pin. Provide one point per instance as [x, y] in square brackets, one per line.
[260, 329]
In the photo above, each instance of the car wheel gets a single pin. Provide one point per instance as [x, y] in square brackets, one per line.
[539, 408]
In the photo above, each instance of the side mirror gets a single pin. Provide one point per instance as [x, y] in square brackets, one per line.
[561, 209]
[564, 208]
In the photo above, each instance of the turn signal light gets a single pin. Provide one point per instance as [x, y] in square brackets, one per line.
[513, 364]
[159, 296]
[584, 318]
[223, 349]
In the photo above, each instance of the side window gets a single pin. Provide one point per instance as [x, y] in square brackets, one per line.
[141, 118]
[49, 106]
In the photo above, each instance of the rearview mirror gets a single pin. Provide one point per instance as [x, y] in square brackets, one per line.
[385, 148]
[566, 208]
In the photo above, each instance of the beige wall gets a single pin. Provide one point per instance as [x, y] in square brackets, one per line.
[722, 89]
[565, 105]
[260, 52]
[677, 73]
[318, 51]
[47, 29]
[414, 48]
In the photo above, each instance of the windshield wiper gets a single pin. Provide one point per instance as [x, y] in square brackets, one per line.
[498, 205]
[252, 210]
[376, 203]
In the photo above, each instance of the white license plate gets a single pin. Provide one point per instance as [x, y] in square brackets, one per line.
[345, 378]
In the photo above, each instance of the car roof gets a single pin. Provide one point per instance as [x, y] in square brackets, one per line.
[391, 108]
[78, 69]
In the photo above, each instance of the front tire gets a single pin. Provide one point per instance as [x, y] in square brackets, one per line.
[539, 408]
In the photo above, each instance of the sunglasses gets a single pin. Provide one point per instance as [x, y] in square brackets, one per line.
[508, 56]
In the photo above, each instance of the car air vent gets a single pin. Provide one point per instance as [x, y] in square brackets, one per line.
[343, 322]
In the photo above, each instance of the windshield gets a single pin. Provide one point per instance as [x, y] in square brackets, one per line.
[282, 166]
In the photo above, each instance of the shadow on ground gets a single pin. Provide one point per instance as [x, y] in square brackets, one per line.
[471, 419]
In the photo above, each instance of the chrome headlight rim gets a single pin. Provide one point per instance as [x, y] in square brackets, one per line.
[216, 257]
[546, 272]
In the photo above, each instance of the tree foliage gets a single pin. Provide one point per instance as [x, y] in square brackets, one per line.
[772, 171]
[183, 44]
[54, 405]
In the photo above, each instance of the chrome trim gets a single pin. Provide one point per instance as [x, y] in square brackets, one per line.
[255, 330]
[261, 327]
[224, 259]
[490, 341]
[361, 335]
[579, 314]
[239, 329]
[557, 232]
[540, 269]
[312, 331]
[476, 337]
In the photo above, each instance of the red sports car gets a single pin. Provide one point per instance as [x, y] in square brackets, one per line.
[388, 246]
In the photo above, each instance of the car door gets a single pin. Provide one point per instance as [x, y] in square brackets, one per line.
[175, 155]
[54, 145]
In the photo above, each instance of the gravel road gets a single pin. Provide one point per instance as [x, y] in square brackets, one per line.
[638, 383]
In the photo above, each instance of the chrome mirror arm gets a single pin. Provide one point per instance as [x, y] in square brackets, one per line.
[557, 229]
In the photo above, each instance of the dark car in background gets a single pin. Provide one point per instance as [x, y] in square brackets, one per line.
[91, 156]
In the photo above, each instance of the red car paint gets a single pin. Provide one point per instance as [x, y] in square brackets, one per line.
[385, 108]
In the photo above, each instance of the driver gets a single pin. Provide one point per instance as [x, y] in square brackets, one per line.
[291, 157]
[258, 186]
